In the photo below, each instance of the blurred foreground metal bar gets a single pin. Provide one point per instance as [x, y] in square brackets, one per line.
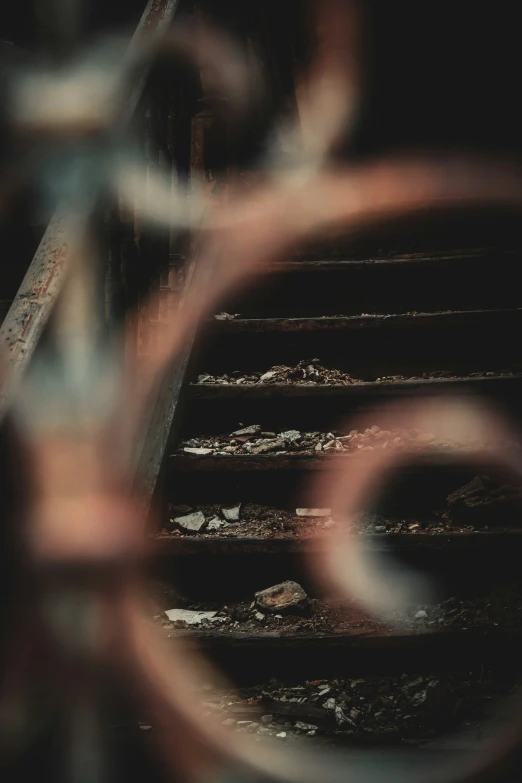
[33, 304]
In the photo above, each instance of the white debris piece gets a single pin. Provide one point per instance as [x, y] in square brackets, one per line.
[231, 514]
[421, 615]
[329, 704]
[291, 436]
[193, 523]
[313, 512]
[254, 429]
[259, 616]
[281, 735]
[268, 376]
[191, 617]
[215, 524]
[340, 717]
[204, 378]
[226, 316]
[305, 726]
[199, 452]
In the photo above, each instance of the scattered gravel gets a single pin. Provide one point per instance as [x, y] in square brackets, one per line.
[253, 441]
[500, 608]
[311, 371]
[371, 709]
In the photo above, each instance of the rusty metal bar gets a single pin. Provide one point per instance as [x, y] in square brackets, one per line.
[30, 311]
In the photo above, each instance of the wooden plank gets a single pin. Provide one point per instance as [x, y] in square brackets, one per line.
[413, 461]
[495, 384]
[511, 318]
[310, 265]
[256, 657]
[29, 313]
[398, 543]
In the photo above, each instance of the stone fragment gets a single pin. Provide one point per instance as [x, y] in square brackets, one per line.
[191, 617]
[329, 704]
[419, 698]
[285, 597]
[231, 514]
[226, 316]
[199, 452]
[313, 512]
[191, 523]
[281, 735]
[305, 726]
[265, 446]
[291, 436]
[266, 720]
[204, 378]
[421, 615]
[215, 524]
[259, 617]
[268, 376]
[340, 717]
[254, 429]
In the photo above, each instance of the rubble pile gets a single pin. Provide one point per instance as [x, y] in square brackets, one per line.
[407, 707]
[287, 610]
[254, 441]
[311, 371]
[307, 371]
[187, 520]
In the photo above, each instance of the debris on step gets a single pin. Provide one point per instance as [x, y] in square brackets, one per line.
[291, 436]
[267, 445]
[259, 616]
[268, 376]
[313, 512]
[311, 372]
[191, 523]
[340, 716]
[215, 524]
[254, 429]
[422, 614]
[286, 597]
[306, 372]
[191, 617]
[226, 316]
[305, 726]
[251, 440]
[232, 514]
